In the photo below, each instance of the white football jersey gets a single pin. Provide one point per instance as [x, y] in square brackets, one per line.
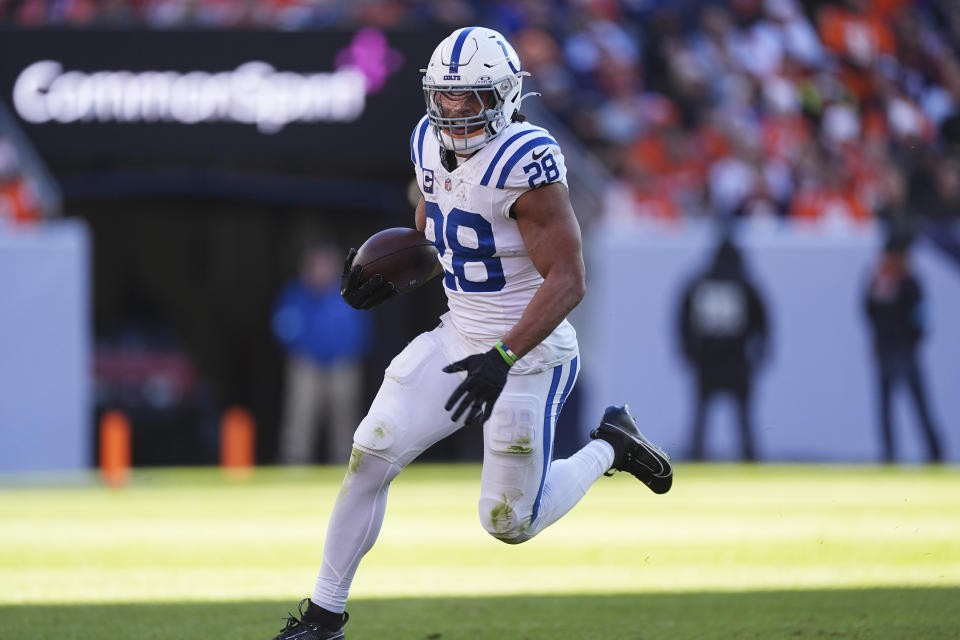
[488, 276]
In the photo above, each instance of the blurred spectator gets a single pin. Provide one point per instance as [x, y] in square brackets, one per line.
[934, 188]
[634, 199]
[859, 35]
[745, 183]
[857, 30]
[543, 58]
[723, 329]
[17, 202]
[799, 38]
[325, 341]
[828, 197]
[896, 311]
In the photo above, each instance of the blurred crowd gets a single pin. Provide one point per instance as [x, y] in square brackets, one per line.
[239, 14]
[835, 112]
[829, 113]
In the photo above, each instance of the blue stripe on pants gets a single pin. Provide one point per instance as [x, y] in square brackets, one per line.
[549, 418]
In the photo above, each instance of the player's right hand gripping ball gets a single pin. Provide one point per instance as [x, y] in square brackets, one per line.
[486, 376]
[368, 294]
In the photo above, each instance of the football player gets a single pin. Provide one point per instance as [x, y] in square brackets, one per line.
[504, 358]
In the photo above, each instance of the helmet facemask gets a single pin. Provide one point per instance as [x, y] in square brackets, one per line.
[467, 133]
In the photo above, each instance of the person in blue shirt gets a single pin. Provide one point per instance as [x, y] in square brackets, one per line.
[325, 341]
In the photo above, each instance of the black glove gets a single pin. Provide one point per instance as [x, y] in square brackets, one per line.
[486, 375]
[366, 295]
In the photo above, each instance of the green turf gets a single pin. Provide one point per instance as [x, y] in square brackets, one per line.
[920, 613]
[731, 551]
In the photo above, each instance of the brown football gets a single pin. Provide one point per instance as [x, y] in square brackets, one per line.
[402, 256]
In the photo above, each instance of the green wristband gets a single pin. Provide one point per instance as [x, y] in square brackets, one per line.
[509, 356]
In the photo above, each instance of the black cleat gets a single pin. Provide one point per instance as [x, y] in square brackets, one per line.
[633, 452]
[309, 630]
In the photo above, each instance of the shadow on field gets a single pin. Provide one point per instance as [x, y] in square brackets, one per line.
[927, 613]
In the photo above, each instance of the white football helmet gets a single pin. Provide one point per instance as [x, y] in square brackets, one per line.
[478, 60]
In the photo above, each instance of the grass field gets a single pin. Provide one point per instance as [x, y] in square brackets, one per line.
[730, 552]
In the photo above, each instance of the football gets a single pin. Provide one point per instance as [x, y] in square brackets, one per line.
[402, 256]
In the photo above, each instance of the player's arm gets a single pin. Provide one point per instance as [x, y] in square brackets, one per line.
[420, 215]
[551, 235]
[420, 222]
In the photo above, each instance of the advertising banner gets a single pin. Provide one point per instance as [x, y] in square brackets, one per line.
[339, 102]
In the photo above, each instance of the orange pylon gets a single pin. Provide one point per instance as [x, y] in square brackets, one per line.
[237, 433]
[115, 447]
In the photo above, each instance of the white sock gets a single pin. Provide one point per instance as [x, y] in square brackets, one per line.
[568, 481]
[354, 526]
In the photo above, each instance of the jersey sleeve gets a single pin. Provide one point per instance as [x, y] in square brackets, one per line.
[530, 160]
[534, 166]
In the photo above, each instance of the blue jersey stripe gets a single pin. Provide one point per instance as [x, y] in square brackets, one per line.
[457, 48]
[522, 151]
[493, 163]
[422, 134]
[547, 429]
[413, 137]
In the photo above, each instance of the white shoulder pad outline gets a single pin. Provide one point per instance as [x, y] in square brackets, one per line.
[510, 167]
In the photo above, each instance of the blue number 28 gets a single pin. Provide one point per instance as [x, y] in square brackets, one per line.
[446, 235]
[546, 168]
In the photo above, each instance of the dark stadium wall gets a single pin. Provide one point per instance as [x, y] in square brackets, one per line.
[201, 160]
[195, 281]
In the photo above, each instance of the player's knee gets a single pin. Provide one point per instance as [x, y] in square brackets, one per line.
[376, 432]
[367, 476]
[499, 518]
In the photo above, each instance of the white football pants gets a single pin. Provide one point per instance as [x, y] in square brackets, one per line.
[521, 492]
